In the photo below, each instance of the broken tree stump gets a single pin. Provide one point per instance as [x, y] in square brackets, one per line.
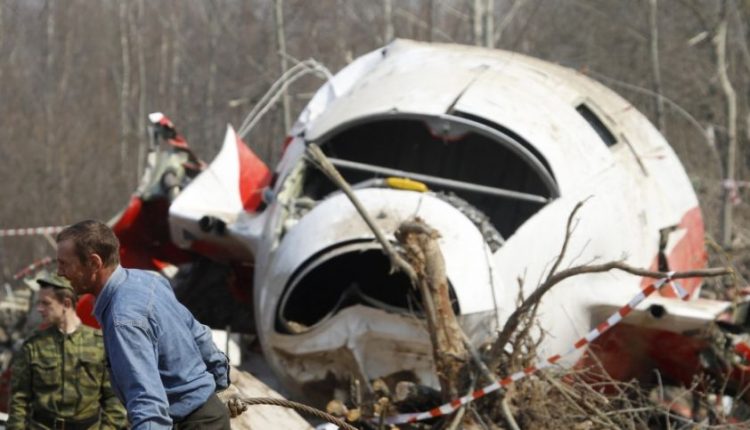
[451, 358]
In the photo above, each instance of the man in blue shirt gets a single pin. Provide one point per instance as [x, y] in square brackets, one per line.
[164, 364]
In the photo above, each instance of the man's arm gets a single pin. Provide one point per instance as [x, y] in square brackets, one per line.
[134, 369]
[215, 360]
[20, 385]
[113, 413]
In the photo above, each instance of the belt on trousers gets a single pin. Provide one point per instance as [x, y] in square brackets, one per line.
[58, 423]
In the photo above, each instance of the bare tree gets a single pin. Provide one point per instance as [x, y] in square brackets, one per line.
[281, 46]
[137, 17]
[125, 83]
[654, 32]
[489, 24]
[506, 20]
[214, 26]
[49, 82]
[177, 47]
[430, 19]
[478, 9]
[2, 37]
[720, 43]
[388, 19]
[163, 64]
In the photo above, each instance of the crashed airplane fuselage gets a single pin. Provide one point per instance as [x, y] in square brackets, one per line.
[506, 146]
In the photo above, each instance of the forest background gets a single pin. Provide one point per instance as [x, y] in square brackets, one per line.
[79, 77]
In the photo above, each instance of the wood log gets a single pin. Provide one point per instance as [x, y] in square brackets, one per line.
[449, 352]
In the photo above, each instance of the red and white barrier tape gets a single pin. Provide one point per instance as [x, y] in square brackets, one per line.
[32, 267]
[30, 231]
[615, 318]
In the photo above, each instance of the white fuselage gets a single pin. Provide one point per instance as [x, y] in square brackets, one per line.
[563, 138]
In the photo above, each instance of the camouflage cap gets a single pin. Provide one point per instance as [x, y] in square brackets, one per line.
[54, 280]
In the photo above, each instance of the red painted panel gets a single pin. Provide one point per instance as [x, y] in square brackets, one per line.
[85, 310]
[143, 231]
[254, 176]
[5, 390]
[628, 352]
[688, 254]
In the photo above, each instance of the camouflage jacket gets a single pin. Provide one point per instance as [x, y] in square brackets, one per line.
[65, 376]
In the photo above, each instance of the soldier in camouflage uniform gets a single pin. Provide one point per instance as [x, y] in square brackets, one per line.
[59, 377]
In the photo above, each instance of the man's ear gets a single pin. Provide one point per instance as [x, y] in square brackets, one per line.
[96, 261]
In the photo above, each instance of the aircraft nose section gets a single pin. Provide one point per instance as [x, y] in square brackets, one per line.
[328, 269]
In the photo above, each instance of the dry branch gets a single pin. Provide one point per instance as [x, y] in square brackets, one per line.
[530, 304]
[536, 296]
[316, 155]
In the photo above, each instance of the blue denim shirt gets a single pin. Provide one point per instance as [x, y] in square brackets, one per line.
[164, 364]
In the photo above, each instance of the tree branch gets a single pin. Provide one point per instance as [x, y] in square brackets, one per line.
[321, 161]
[537, 295]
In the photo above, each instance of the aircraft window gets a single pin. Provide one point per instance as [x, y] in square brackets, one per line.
[472, 159]
[513, 135]
[607, 137]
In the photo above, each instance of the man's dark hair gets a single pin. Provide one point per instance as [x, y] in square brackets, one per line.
[93, 237]
[62, 293]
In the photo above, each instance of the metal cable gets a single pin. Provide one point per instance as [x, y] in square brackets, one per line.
[299, 407]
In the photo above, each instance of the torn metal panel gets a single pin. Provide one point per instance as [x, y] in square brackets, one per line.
[363, 342]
